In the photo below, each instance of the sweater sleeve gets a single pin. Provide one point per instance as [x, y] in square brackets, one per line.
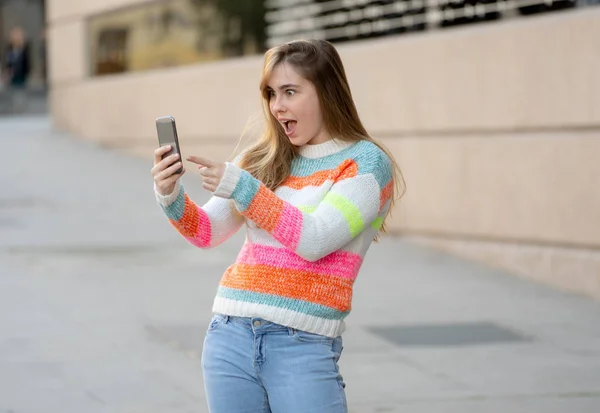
[354, 202]
[206, 226]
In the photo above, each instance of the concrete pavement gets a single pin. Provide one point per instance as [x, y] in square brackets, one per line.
[33, 101]
[103, 307]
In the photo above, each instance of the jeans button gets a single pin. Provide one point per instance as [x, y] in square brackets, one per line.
[256, 323]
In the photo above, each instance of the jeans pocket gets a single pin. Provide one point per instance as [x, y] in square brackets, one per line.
[216, 321]
[306, 337]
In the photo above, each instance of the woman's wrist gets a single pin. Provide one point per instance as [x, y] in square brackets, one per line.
[167, 199]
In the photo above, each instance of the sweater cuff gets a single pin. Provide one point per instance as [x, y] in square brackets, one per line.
[229, 181]
[167, 200]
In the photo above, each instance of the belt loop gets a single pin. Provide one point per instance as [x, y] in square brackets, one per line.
[226, 319]
[291, 331]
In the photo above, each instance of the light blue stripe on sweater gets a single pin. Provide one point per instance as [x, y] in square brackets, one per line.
[176, 209]
[373, 160]
[368, 156]
[291, 304]
[306, 166]
[245, 190]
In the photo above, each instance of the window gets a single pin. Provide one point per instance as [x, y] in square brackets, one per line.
[174, 33]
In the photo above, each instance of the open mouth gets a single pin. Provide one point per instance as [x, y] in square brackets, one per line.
[289, 126]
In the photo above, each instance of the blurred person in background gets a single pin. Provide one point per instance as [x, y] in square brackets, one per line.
[313, 193]
[16, 68]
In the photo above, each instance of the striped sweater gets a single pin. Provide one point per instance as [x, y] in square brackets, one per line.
[305, 242]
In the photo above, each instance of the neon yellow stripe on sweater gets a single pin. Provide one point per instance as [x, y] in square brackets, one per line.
[350, 212]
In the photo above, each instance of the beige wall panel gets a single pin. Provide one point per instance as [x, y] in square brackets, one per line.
[67, 112]
[529, 73]
[572, 270]
[212, 100]
[540, 188]
[67, 60]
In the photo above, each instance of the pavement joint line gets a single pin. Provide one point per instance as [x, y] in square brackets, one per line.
[74, 249]
[95, 398]
[23, 202]
[490, 397]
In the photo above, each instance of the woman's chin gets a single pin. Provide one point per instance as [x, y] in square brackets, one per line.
[296, 141]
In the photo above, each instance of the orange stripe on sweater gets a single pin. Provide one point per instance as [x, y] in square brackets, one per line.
[333, 292]
[188, 224]
[347, 169]
[265, 209]
[386, 193]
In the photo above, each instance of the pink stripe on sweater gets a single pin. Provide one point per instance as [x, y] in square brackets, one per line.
[289, 227]
[203, 234]
[341, 264]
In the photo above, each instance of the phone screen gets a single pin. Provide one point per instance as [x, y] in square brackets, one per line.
[166, 136]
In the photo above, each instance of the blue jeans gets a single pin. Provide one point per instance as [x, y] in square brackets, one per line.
[254, 366]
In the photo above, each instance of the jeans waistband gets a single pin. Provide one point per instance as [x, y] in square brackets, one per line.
[255, 324]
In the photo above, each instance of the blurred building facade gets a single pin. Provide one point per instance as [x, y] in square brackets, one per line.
[491, 107]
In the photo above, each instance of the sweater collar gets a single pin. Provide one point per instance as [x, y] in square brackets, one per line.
[323, 149]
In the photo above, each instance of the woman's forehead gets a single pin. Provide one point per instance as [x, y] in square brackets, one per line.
[283, 74]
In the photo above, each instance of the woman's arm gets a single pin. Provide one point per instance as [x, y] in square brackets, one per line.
[355, 201]
[206, 226]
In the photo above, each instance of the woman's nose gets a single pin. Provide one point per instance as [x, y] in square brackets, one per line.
[278, 105]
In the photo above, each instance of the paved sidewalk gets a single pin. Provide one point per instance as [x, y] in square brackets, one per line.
[103, 307]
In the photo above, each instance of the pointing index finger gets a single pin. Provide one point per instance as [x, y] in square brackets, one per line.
[201, 161]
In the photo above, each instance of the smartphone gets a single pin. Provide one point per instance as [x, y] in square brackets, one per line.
[167, 135]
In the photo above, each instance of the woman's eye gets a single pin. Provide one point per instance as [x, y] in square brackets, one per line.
[290, 92]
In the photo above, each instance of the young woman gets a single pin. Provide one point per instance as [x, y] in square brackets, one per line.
[314, 192]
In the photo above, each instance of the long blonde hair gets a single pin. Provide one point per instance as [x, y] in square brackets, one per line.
[269, 159]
